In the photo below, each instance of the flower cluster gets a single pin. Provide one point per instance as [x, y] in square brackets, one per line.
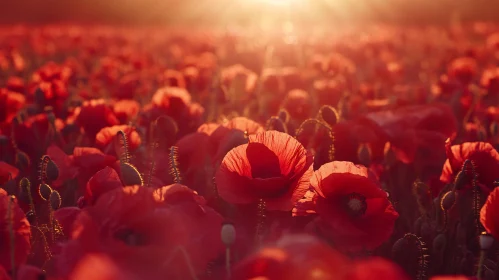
[135, 153]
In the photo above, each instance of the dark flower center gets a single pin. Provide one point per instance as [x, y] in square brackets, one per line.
[355, 204]
[131, 237]
[264, 163]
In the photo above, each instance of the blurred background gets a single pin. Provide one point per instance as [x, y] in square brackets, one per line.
[215, 12]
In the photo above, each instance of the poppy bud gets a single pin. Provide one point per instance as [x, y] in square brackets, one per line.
[276, 123]
[439, 243]
[52, 171]
[130, 175]
[461, 236]
[448, 200]
[283, 115]
[494, 129]
[228, 234]
[390, 157]
[399, 247]
[55, 200]
[364, 154]
[80, 202]
[4, 140]
[22, 160]
[329, 115]
[50, 114]
[30, 215]
[10, 187]
[44, 190]
[460, 180]
[486, 240]
[39, 97]
[481, 134]
[165, 131]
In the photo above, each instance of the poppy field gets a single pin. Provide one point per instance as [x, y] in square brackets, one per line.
[203, 154]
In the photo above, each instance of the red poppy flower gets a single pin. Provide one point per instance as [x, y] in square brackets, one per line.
[10, 104]
[273, 166]
[21, 230]
[353, 211]
[67, 169]
[3, 274]
[106, 136]
[329, 92]
[485, 157]
[7, 172]
[239, 77]
[298, 104]
[376, 268]
[99, 267]
[66, 217]
[488, 216]
[149, 234]
[125, 110]
[293, 257]
[15, 84]
[464, 69]
[94, 115]
[103, 181]
[490, 80]
[417, 133]
[231, 134]
[89, 161]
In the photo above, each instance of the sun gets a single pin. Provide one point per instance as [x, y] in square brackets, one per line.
[278, 2]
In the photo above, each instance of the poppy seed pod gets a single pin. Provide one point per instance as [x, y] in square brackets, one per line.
[130, 175]
[448, 200]
[486, 240]
[228, 234]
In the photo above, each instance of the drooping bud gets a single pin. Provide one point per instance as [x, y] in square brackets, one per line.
[228, 234]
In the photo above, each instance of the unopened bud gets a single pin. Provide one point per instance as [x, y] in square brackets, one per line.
[448, 200]
[486, 240]
[228, 234]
